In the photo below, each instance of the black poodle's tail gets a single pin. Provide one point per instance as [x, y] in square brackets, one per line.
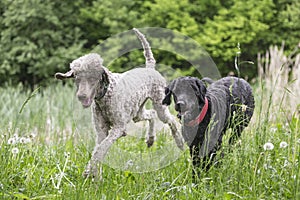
[150, 61]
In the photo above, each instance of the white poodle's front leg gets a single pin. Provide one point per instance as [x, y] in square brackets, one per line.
[101, 128]
[100, 150]
[100, 125]
[165, 116]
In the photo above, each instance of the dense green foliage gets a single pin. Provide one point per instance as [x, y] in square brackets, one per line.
[41, 37]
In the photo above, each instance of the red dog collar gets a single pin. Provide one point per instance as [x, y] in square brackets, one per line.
[201, 116]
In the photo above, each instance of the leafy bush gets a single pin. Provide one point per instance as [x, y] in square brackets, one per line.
[37, 38]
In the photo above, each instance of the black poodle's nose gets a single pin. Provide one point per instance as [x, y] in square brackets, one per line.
[180, 106]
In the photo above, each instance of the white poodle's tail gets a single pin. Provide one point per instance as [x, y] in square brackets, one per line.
[150, 61]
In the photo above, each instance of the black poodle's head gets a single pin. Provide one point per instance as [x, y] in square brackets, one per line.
[188, 94]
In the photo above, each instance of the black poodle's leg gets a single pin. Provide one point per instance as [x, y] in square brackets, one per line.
[200, 164]
[194, 153]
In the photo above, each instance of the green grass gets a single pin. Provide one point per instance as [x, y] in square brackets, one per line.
[61, 135]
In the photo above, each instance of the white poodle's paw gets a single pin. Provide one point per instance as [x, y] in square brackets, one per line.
[86, 173]
[150, 141]
[92, 172]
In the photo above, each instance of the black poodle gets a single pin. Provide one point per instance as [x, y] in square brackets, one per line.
[208, 111]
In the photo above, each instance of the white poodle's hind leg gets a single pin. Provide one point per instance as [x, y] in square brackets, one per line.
[148, 115]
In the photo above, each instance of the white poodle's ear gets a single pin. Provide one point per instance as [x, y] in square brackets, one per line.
[61, 76]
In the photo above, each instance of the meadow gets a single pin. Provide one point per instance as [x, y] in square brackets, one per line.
[46, 139]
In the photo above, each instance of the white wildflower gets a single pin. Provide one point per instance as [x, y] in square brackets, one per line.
[129, 163]
[12, 141]
[16, 136]
[283, 144]
[273, 129]
[23, 140]
[15, 150]
[268, 146]
[286, 163]
[32, 135]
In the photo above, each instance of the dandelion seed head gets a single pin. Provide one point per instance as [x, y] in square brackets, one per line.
[32, 135]
[268, 146]
[22, 140]
[11, 141]
[283, 144]
[273, 129]
[15, 150]
[16, 136]
[129, 164]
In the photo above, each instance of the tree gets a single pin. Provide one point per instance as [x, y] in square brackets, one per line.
[37, 38]
[245, 23]
[288, 23]
[101, 19]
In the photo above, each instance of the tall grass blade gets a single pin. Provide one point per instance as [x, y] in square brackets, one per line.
[34, 92]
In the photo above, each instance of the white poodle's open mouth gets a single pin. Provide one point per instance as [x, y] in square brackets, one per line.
[86, 102]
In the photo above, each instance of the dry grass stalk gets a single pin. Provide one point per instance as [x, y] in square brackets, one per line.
[280, 75]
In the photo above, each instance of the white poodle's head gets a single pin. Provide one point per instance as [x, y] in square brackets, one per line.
[90, 77]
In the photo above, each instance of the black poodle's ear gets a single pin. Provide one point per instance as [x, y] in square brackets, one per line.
[167, 99]
[199, 88]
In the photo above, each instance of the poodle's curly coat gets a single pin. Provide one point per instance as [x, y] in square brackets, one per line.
[207, 112]
[118, 98]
